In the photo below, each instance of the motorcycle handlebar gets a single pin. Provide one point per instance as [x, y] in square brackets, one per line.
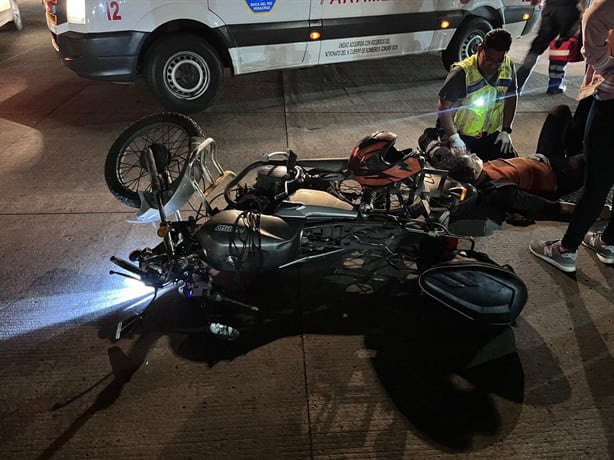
[128, 266]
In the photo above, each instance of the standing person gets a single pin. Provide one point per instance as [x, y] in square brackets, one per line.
[598, 31]
[477, 103]
[560, 18]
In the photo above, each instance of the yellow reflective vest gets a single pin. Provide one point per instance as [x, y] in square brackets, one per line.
[481, 111]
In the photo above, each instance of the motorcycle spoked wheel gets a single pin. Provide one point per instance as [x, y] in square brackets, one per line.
[168, 134]
[352, 192]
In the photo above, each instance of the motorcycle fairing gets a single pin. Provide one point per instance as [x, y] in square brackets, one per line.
[482, 292]
[234, 240]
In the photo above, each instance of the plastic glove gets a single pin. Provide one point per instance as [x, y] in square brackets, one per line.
[506, 142]
[457, 142]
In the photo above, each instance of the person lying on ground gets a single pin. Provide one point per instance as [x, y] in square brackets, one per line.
[529, 186]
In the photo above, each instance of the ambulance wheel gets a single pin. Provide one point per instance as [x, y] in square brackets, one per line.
[465, 41]
[17, 20]
[184, 72]
[167, 134]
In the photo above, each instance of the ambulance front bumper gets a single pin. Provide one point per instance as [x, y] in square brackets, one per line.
[103, 56]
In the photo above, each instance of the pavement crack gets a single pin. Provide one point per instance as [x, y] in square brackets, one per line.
[21, 54]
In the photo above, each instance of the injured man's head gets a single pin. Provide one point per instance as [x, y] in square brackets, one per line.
[466, 167]
[461, 165]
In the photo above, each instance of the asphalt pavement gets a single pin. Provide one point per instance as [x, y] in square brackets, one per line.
[329, 373]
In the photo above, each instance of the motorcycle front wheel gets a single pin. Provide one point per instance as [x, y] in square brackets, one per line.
[168, 135]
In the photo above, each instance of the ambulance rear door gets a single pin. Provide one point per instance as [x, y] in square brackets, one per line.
[353, 30]
[266, 34]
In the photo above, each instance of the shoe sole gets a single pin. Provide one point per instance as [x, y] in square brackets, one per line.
[608, 260]
[563, 268]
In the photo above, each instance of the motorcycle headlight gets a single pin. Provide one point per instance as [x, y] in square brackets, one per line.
[75, 11]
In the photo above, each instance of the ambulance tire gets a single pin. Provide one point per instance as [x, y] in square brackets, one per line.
[184, 59]
[17, 19]
[465, 41]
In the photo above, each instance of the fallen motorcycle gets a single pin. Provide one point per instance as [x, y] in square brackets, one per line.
[281, 211]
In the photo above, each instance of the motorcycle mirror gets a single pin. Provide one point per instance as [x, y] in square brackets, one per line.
[481, 292]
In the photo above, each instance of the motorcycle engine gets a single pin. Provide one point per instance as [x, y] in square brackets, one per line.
[270, 180]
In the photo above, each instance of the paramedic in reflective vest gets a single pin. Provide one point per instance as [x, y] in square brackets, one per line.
[477, 103]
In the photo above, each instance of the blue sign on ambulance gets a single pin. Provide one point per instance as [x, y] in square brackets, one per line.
[260, 6]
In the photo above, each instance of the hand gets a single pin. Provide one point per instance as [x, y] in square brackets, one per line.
[456, 142]
[506, 142]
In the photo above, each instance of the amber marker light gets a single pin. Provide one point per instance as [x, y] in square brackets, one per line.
[463, 194]
[314, 35]
[445, 24]
[526, 16]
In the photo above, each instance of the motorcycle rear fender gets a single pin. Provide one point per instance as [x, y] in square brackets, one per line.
[482, 292]
[178, 196]
[202, 164]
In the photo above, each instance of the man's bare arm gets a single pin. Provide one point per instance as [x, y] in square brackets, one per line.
[509, 111]
[446, 116]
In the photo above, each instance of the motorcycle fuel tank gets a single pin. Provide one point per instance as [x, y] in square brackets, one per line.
[249, 242]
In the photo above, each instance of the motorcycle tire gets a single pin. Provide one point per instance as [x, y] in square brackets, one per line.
[133, 141]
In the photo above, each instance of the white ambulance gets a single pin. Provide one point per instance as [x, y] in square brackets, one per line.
[182, 46]
[9, 12]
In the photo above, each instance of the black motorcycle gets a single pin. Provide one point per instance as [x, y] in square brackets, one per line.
[281, 211]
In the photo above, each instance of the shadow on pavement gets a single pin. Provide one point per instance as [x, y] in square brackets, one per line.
[448, 377]
[454, 385]
[597, 361]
